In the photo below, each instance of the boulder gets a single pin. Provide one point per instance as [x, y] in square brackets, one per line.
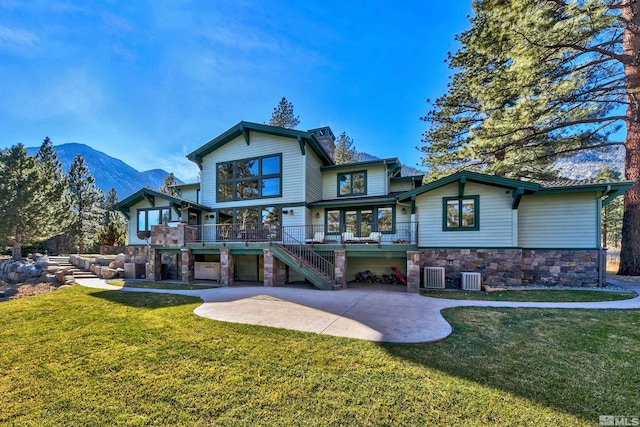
[51, 278]
[121, 258]
[60, 275]
[69, 280]
[108, 273]
[116, 264]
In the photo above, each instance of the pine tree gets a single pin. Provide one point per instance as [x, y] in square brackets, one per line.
[345, 150]
[87, 204]
[283, 116]
[33, 205]
[113, 231]
[168, 186]
[612, 213]
[536, 80]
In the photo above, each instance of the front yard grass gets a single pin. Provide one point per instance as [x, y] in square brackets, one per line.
[532, 295]
[82, 356]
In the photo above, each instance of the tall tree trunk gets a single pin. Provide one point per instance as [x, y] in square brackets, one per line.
[16, 248]
[630, 251]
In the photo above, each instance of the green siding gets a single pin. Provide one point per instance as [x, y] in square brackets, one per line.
[376, 181]
[559, 221]
[496, 218]
[261, 145]
[313, 177]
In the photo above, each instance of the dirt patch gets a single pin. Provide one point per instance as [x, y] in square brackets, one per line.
[26, 290]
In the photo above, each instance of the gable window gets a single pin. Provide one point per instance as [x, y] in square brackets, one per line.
[461, 213]
[149, 217]
[253, 178]
[352, 183]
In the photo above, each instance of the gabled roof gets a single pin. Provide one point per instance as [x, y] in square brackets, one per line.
[151, 195]
[468, 176]
[392, 163]
[245, 129]
[607, 190]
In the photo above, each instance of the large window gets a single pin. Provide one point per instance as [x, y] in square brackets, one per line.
[352, 184]
[254, 223]
[254, 178]
[461, 213]
[360, 222]
[149, 217]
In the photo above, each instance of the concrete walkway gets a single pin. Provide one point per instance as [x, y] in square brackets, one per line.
[374, 315]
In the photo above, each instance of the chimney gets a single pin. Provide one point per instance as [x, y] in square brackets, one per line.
[327, 139]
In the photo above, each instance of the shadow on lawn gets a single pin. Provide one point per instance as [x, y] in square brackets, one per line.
[582, 362]
[147, 299]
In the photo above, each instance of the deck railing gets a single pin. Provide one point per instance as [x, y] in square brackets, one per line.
[366, 233]
[401, 233]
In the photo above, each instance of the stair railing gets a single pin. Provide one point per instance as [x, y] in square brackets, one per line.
[304, 253]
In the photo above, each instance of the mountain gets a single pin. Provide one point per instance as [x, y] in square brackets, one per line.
[108, 171]
[586, 164]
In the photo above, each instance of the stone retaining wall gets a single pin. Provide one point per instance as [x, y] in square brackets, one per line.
[517, 267]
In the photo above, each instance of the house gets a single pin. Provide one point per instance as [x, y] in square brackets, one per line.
[272, 206]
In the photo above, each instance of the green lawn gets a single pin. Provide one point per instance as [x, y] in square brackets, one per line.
[160, 285]
[532, 295]
[80, 356]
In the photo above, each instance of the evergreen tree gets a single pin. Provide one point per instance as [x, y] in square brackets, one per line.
[345, 150]
[87, 204]
[33, 205]
[535, 80]
[283, 116]
[113, 231]
[612, 213]
[168, 186]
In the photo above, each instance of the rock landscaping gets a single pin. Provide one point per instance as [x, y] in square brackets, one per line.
[33, 275]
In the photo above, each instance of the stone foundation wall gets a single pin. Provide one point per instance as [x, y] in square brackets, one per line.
[560, 267]
[499, 267]
[517, 267]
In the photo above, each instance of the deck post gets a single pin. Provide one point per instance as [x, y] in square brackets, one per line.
[226, 267]
[340, 268]
[154, 265]
[269, 268]
[413, 271]
[187, 265]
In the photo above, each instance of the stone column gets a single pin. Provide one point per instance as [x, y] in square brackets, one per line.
[226, 267]
[413, 271]
[153, 267]
[340, 260]
[187, 265]
[269, 268]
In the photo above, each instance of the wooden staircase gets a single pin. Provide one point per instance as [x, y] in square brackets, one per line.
[305, 265]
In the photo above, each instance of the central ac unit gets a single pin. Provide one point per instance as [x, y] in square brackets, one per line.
[433, 277]
[471, 281]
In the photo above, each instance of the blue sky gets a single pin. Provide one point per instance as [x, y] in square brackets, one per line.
[149, 82]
